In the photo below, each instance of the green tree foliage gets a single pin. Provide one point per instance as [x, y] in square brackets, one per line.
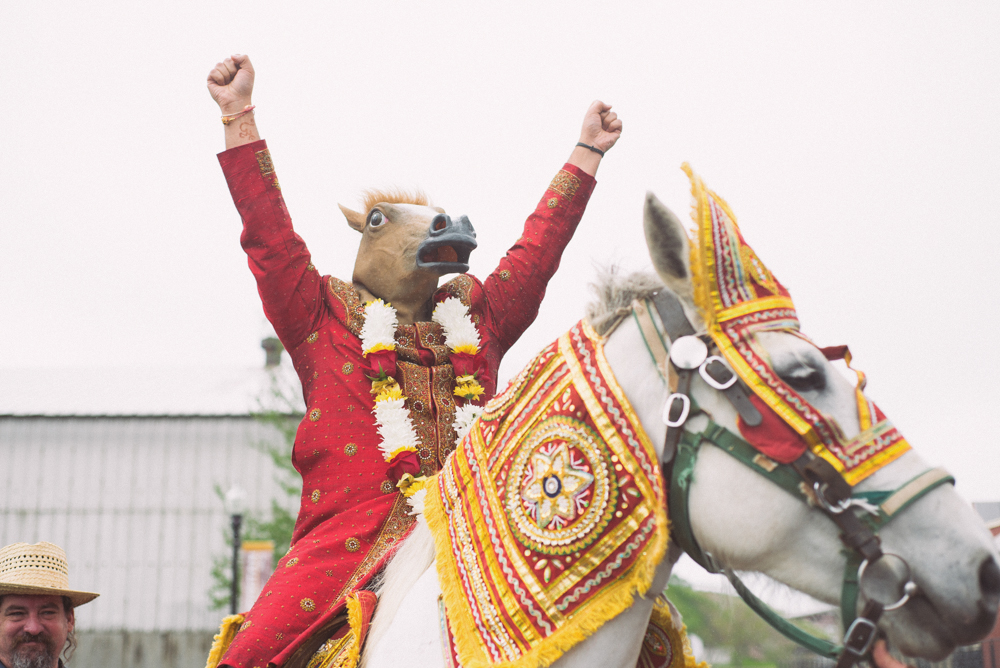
[725, 622]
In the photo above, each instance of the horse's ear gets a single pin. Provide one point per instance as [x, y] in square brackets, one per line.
[668, 246]
[354, 219]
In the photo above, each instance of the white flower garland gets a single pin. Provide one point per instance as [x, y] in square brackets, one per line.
[392, 418]
[461, 335]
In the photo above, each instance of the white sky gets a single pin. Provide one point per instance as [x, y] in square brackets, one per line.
[857, 142]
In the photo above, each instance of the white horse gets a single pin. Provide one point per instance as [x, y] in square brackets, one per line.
[745, 521]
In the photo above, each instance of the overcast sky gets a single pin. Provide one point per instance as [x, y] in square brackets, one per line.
[858, 144]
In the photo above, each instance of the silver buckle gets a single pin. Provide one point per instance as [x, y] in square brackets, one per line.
[688, 352]
[866, 631]
[685, 410]
[703, 370]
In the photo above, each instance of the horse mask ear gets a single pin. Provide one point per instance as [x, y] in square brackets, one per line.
[668, 246]
[354, 219]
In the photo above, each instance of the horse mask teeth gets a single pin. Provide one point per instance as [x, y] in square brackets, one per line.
[448, 245]
[738, 297]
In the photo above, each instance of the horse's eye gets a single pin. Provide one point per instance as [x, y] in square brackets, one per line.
[376, 218]
[804, 378]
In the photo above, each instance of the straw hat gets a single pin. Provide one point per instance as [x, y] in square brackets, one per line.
[39, 569]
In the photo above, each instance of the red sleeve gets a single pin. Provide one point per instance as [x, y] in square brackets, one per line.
[515, 289]
[289, 285]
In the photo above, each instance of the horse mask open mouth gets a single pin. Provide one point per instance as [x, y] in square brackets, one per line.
[448, 245]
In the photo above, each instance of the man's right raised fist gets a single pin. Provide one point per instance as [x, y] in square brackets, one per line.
[231, 83]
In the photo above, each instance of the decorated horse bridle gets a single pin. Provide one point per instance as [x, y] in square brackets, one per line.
[883, 578]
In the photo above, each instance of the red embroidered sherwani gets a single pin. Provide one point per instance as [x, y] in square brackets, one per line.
[351, 514]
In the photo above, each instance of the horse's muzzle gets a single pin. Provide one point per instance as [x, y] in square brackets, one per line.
[448, 245]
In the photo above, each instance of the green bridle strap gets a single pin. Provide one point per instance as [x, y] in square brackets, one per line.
[680, 523]
[891, 504]
[789, 480]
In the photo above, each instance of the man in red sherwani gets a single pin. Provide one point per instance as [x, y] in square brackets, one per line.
[352, 515]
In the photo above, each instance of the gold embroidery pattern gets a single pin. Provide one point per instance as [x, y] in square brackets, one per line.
[553, 202]
[315, 496]
[416, 383]
[431, 336]
[291, 562]
[264, 162]
[444, 383]
[311, 267]
[348, 296]
[347, 369]
[460, 287]
[315, 414]
[396, 526]
[565, 184]
[352, 544]
[388, 487]
[504, 275]
[307, 604]
[351, 449]
[333, 653]
[244, 626]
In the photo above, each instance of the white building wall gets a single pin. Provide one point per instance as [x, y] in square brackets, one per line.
[132, 501]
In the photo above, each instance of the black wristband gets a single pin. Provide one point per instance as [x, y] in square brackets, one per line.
[592, 148]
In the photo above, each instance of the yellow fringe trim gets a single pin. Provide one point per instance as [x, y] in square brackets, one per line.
[354, 620]
[699, 279]
[614, 600]
[663, 618]
[223, 639]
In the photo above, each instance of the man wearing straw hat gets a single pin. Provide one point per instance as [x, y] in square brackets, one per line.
[36, 606]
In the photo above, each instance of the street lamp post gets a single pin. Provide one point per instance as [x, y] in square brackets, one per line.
[235, 501]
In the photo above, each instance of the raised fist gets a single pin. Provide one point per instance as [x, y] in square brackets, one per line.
[231, 83]
[601, 126]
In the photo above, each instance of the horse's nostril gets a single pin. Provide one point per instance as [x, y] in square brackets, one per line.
[989, 581]
[439, 223]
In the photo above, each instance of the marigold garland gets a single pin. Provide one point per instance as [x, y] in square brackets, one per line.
[378, 343]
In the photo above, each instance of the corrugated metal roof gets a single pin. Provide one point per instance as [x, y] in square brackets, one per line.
[180, 390]
[132, 501]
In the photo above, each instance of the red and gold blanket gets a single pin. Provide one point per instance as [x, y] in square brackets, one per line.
[550, 516]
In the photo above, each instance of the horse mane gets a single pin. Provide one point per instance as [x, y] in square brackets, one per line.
[615, 291]
[372, 196]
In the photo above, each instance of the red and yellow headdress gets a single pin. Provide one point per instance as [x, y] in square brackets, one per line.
[738, 297]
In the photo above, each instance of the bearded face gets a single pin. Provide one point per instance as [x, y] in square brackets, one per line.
[34, 651]
[33, 630]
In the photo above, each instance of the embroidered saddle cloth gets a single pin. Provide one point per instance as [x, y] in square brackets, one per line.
[550, 515]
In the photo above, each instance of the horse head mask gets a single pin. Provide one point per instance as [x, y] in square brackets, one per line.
[406, 245]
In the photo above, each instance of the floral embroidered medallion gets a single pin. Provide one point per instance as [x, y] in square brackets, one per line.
[550, 514]
[554, 485]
